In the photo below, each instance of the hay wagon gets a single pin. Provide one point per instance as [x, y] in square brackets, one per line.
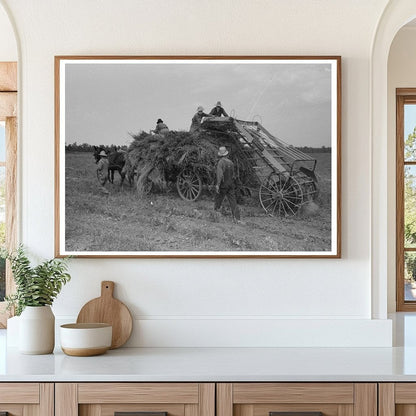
[283, 176]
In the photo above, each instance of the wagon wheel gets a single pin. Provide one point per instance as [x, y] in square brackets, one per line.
[280, 195]
[189, 185]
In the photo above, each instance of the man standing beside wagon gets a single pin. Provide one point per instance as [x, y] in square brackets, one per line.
[225, 186]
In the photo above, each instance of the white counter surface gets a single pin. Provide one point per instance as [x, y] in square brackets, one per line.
[215, 364]
[221, 364]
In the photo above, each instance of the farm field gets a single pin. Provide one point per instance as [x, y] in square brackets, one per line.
[122, 221]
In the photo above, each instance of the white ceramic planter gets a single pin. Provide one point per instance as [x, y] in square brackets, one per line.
[37, 330]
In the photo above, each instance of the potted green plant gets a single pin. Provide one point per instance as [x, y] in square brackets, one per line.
[36, 289]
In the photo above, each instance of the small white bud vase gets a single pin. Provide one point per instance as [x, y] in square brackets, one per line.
[37, 330]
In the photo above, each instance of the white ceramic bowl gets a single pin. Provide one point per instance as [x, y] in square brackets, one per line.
[83, 340]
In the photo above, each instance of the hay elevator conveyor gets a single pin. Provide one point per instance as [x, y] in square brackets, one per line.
[284, 175]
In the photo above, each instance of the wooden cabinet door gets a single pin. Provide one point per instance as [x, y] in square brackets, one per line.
[297, 399]
[397, 399]
[27, 399]
[143, 399]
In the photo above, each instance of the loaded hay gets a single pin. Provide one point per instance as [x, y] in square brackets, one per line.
[157, 159]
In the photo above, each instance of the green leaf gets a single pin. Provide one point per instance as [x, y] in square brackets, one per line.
[35, 286]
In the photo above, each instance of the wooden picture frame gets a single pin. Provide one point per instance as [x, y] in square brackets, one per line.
[160, 202]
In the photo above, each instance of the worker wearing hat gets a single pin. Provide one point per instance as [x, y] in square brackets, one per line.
[102, 171]
[161, 127]
[197, 119]
[225, 186]
[218, 111]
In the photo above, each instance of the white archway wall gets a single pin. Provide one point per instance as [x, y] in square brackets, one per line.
[401, 74]
[395, 16]
[216, 302]
[8, 47]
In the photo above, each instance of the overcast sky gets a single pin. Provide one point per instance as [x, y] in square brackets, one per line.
[409, 119]
[106, 102]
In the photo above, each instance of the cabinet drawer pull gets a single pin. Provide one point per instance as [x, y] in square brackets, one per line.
[139, 414]
[295, 413]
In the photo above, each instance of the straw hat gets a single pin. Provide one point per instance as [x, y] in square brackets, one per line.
[102, 153]
[222, 151]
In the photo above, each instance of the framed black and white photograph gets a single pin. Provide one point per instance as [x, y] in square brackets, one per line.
[198, 156]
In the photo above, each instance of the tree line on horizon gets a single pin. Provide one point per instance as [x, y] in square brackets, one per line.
[85, 147]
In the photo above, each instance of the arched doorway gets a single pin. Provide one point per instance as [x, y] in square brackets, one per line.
[401, 100]
[396, 15]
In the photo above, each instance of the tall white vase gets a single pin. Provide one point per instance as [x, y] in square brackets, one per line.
[37, 330]
[12, 333]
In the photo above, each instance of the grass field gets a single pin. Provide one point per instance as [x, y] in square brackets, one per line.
[122, 221]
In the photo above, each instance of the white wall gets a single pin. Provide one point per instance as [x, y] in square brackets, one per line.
[401, 74]
[212, 302]
[8, 47]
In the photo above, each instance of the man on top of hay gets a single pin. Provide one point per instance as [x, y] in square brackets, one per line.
[197, 120]
[161, 128]
[225, 186]
[218, 111]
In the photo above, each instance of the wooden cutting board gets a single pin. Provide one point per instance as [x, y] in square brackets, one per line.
[107, 309]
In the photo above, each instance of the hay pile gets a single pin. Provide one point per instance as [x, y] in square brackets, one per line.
[157, 159]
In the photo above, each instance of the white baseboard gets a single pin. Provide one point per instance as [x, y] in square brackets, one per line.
[189, 332]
